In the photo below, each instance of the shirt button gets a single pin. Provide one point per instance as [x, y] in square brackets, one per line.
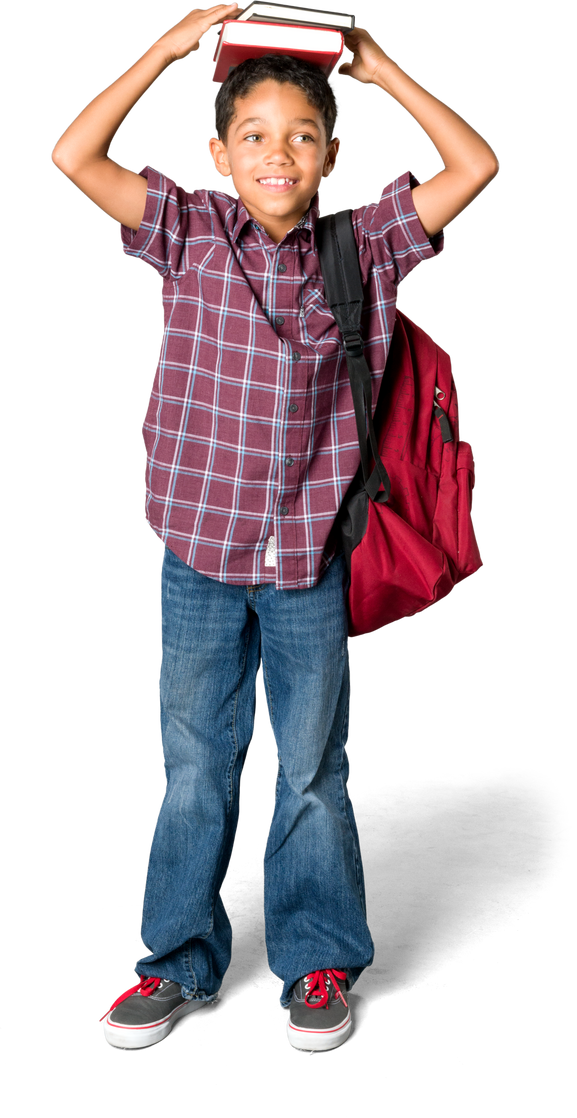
[279, 319]
[296, 356]
[281, 268]
[283, 510]
[293, 407]
[289, 461]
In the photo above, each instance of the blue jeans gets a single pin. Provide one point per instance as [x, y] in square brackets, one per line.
[213, 636]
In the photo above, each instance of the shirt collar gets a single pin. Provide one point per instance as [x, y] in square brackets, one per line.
[306, 225]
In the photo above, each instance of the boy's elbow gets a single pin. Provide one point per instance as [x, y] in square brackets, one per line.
[493, 168]
[58, 158]
[62, 160]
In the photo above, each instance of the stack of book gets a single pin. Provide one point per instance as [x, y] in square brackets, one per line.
[315, 36]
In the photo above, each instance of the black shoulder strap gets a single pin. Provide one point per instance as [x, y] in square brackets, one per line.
[339, 260]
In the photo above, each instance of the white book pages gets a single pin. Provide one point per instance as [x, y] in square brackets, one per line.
[290, 38]
[296, 15]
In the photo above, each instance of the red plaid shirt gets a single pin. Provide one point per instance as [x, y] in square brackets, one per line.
[250, 431]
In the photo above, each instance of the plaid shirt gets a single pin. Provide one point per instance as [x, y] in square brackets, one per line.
[250, 431]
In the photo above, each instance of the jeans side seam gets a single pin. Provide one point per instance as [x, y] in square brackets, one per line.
[233, 759]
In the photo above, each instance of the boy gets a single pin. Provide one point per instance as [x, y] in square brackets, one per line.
[252, 443]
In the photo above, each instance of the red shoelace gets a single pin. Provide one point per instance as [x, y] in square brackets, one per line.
[146, 987]
[319, 986]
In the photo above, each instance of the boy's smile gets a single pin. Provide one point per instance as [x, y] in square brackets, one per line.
[276, 153]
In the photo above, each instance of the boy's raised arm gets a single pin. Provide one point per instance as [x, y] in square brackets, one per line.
[82, 152]
[470, 163]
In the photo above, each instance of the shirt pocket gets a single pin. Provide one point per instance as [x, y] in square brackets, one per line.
[317, 322]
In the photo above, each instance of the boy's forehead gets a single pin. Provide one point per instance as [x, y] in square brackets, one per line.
[270, 100]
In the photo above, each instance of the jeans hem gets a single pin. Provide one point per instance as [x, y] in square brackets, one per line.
[198, 996]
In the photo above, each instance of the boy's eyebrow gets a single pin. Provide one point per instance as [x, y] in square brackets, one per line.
[262, 120]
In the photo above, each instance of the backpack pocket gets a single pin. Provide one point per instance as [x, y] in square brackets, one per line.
[468, 559]
[395, 572]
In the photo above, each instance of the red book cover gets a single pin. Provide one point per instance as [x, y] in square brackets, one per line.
[301, 41]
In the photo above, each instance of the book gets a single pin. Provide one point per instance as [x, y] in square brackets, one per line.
[239, 40]
[288, 13]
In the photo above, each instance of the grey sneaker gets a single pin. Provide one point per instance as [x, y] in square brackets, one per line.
[319, 1017]
[146, 1013]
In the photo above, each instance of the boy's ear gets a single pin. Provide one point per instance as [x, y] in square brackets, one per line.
[218, 152]
[331, 155]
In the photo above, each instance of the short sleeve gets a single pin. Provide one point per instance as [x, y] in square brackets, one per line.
[162, 236]
[392, 231]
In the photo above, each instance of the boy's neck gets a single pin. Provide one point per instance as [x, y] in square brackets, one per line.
[276, 227]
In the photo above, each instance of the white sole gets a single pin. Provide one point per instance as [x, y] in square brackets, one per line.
[308, 1040]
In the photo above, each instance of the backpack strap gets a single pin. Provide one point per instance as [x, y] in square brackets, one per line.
[339, 260]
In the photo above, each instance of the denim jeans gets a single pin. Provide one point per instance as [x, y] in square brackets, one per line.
[214, 635]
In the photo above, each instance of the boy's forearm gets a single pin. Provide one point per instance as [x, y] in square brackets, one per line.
[460, 147]
[89, 136]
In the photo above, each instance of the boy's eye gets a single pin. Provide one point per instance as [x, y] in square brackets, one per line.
[259, 136]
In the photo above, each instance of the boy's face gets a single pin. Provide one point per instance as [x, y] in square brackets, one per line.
[287, 140]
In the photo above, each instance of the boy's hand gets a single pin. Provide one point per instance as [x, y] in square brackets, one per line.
[184, 36]
[368, 56]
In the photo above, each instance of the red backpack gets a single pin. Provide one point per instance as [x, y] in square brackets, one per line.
[406, 527]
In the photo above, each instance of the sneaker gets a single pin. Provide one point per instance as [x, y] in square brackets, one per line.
[146, 1013]
[319, 1017]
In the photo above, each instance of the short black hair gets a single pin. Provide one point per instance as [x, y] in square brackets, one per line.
[281, 68]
